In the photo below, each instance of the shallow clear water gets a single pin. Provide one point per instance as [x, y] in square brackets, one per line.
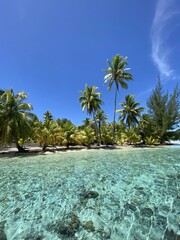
[139, 195]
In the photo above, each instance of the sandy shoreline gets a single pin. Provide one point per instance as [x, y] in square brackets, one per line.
[35, 149]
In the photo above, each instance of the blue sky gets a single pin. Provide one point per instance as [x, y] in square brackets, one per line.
[51, 49]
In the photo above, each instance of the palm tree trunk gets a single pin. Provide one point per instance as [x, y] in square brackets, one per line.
[114, 120]
[20, 149]
[44, 147]
[96, 129]
[100, 132]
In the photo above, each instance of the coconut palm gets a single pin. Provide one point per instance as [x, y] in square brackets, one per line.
[91, 101]
[48, 116]
[87, 122]
[86, 136]
[117, 75]
[45, 133]
[130, 111]
[101, 118]
[15, 117]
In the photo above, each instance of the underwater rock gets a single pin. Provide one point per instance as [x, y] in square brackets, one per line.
[91, 194]
[62, 229]
[130, 206]
[75, 221]
[171, 235]
[68, 229]
[17, 210]
[2, 235]
[89, 226]
[34, 236]
[147, 212]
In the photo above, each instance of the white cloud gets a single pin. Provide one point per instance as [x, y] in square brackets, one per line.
[161, 31]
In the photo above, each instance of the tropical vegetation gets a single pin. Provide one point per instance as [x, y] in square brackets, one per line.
[156, 124]
[117, 75]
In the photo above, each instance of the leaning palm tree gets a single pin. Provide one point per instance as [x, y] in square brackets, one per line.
[15, 118]
[117, 75]
[91, 101]
[130, 111]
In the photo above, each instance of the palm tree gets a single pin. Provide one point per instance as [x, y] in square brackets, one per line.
[86, 136]
[48, 116]
[67, 134]
[130, 111]
[15, 117]
[87, 122]
[45, 133]
[101, 118]
[91, 101]
[117, 74]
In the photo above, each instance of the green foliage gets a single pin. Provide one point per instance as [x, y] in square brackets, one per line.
[130, 112]
[164, 111]
[117, 75]
[150, 140]
[101, 119]
[45, 133]
[48, 116]
[91, 101]
[15, 117]
[86, 136]
[67, 135]
[130, 136]
[106, 134]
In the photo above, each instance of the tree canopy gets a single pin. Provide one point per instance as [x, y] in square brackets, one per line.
[164, 110]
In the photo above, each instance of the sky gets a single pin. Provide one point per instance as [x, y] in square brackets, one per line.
[51, 49]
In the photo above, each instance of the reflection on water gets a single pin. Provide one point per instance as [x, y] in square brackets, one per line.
[110, 194]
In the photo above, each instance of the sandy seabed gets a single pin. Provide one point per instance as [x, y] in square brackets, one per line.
[125, 193]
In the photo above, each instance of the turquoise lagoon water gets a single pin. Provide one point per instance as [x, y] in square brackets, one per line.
[137, 195]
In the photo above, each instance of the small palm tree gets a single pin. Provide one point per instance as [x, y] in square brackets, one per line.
[48, 116]
[15, 117]
[117, 75]
[130, 111]
[45, 133]
[87, 122]
[101, 118]
[67, 135]
[91, 101]
[86, 136]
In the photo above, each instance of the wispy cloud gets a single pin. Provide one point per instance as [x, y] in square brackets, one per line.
[161, 31]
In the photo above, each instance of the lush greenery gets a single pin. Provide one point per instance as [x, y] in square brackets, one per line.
[136, 125]
[117, 75]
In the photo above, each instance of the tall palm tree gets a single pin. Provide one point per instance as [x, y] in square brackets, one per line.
[117, 75]
[130, 111]
[15, 117]
[91, 101]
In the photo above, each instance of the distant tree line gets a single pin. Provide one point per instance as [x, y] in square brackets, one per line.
[160, 122]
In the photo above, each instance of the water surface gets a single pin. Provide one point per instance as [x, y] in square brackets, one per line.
[138, 195]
